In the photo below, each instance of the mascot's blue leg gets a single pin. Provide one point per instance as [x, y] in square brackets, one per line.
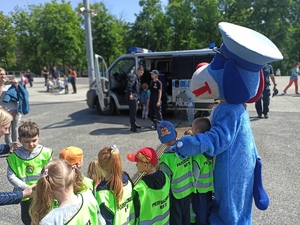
[261, 198]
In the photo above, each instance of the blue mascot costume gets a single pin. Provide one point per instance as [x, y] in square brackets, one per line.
[234, 78]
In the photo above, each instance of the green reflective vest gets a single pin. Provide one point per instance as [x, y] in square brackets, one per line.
[29, 171]
[155, 204]
[89, 183]
[203, 172]
[88, 213]
[182, 178]
[125, 213]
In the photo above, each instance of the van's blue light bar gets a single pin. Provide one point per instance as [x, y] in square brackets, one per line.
[212, 45]
[134, 49]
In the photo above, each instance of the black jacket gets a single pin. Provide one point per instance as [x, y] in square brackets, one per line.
[133, 86]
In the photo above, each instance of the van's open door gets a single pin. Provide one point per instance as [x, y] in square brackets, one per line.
[102, 81]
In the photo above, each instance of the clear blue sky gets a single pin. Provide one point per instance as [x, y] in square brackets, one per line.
[124, 9]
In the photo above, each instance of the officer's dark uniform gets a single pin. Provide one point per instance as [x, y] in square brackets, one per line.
[263, 108]
[133, 88]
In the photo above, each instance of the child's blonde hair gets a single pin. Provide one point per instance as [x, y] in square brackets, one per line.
[58, 175]
[5, 117]
[110, 163]
[94, 172]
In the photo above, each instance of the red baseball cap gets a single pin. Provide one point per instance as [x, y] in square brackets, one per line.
[147, 155]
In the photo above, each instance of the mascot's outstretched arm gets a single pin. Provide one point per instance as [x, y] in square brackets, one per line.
[219, 138]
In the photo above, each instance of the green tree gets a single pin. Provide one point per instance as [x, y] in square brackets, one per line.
[151, 29]
[206, 17]
[7, 42]
[61, 34]
[28, 44]
[182, 24]
[290, 42]
[272, 19]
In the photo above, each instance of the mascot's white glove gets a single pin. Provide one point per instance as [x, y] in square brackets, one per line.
[186, 146]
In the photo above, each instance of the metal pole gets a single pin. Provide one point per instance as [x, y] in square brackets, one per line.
[88, 40]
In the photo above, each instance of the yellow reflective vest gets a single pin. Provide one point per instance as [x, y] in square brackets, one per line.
[203, 173]
[121, 215]
[29, 171]
[154, 204]
[182, 178]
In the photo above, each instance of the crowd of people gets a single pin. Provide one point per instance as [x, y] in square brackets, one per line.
[53, 190]
[55, 80]
[172, 190]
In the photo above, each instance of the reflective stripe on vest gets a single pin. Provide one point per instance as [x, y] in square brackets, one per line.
[156, 219]
[205, 176]
[180, 180]
[31, 178]
[203, 172]
[182, 183]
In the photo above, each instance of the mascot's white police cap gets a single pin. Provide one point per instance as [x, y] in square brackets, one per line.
[247, 48]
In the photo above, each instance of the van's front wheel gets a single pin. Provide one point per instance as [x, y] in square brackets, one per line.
[108, 110]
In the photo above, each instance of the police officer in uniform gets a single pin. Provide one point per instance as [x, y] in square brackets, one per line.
[133, 92]
[262, 104]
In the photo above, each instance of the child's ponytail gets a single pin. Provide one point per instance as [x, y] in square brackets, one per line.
[38, 211]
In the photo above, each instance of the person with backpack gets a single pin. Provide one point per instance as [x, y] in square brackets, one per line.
[145, 98]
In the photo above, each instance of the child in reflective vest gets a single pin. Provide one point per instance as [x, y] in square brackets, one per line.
[114, 193]
[62, 181]
[179, 172]
[26, 163]
[151, 193]
[203, 175]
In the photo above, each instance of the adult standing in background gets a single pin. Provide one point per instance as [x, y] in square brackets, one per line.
[155, 99]
[29, 76]
[262, 104]
[73, 75]
[45, 74]
[293, 78]
[14, 98]
[133, 93]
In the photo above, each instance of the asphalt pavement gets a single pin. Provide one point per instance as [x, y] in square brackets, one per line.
[66, 120]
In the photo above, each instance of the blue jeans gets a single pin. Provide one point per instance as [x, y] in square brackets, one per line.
[262, 104]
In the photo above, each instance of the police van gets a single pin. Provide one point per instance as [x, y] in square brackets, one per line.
[107, 92]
